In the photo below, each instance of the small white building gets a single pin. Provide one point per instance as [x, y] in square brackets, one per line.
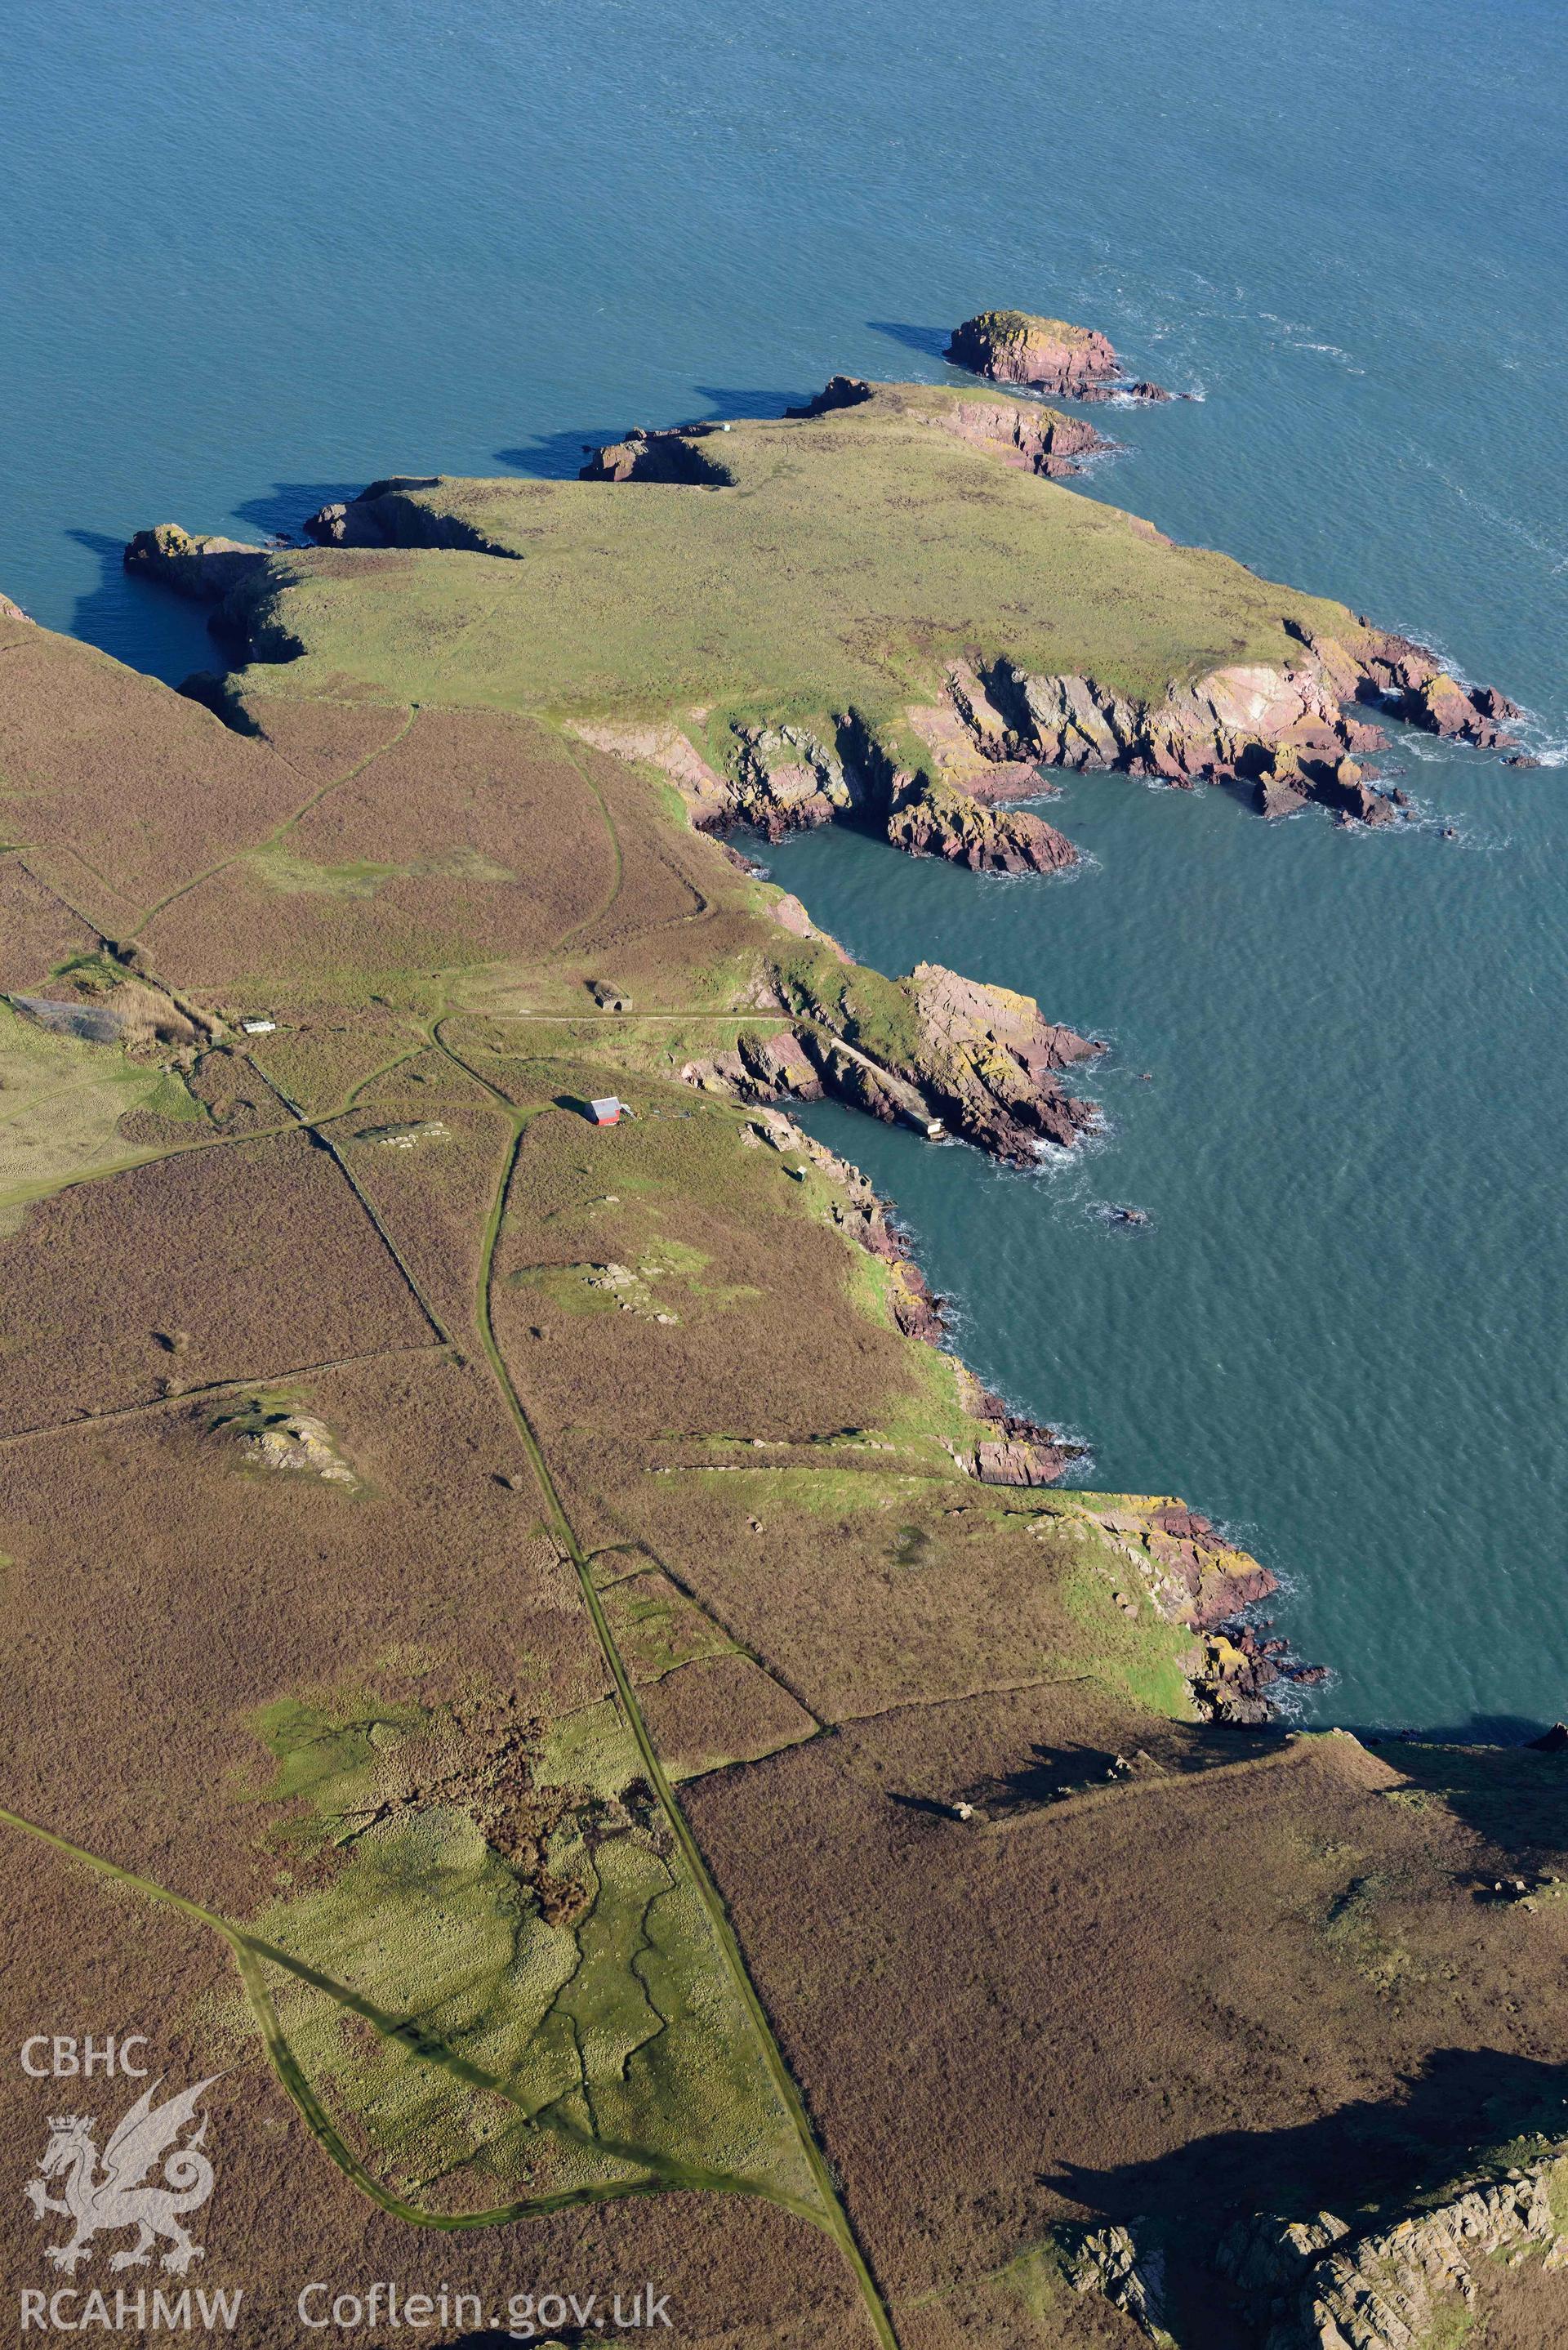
[605, 1112]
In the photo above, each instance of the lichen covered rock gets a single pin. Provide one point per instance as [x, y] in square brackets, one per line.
[1402, 2287]
[296, 1441]
[203, 568]
[1107, 2260]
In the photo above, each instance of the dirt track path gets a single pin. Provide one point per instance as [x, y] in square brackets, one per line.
[835, 2216]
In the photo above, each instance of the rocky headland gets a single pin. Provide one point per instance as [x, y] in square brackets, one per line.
[1293, 730]
[1201, 673]
[1289, 715]
[1035, 439]
[956, 1055]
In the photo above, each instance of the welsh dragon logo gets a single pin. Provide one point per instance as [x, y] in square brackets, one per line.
[110, 2191]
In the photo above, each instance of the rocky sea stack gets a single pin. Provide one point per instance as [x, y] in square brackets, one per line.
[1047, 354]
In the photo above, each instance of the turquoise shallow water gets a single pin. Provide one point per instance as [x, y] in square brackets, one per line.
[255, 256]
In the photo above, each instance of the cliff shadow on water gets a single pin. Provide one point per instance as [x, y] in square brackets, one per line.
[134, 621]
[280, 511]
[559, 455]
[931, 342]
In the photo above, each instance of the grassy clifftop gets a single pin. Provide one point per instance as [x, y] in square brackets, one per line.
[840, 562]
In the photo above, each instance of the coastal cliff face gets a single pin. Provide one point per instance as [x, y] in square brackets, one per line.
[1034, 438]
[932, 1051]
[1292, 730]
[1288, 728]
[792, 777]
[788, 778]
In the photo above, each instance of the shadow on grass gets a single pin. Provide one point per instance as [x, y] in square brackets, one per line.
[560, 456]
[1165, 1751]
[1513, 1796]
[496, 2338]
[581, 1107]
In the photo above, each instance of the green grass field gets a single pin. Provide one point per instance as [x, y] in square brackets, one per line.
[848, 559]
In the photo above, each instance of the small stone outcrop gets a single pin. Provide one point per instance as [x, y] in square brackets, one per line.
[936, 820]
[1266, 2255]
[1048, 354]
[671, 453]
[386, 514]
[838, 391]
[1107, 2260]
[298, 1442]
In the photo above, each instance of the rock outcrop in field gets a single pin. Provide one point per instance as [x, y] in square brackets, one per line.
[1319, 2284]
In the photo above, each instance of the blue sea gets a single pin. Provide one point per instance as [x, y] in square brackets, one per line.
[253, 255]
